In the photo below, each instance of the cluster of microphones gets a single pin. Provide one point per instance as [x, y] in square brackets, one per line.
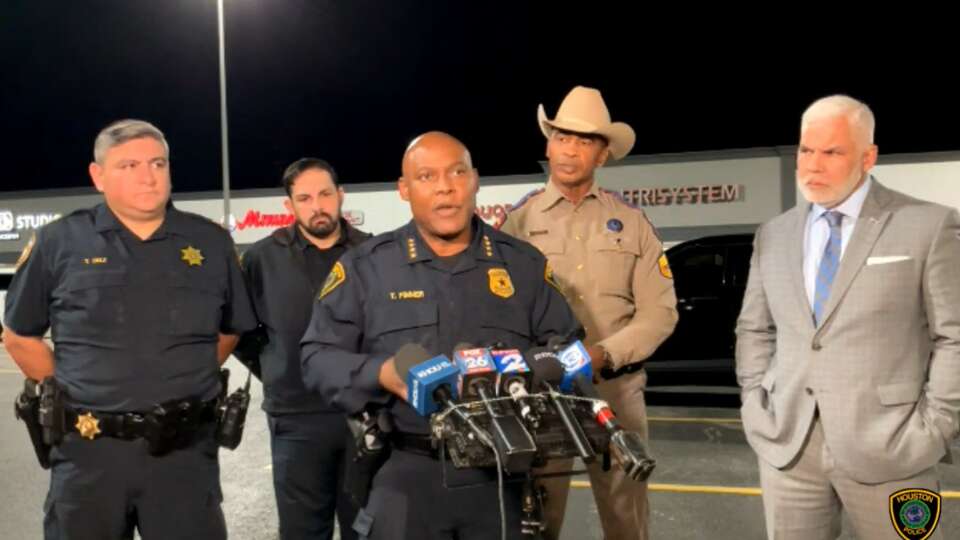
[521, 408]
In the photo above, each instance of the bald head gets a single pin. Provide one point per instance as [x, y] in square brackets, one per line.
[433, 142]
[440, 184]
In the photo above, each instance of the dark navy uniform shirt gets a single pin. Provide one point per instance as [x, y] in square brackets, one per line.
[134, 322]
[284, 273]
[395, 291]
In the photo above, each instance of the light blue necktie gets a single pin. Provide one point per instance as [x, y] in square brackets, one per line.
[828, 266]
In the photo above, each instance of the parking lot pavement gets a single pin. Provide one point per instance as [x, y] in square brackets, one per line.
[705, 484]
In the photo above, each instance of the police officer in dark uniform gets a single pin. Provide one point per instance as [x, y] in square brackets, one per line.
[284, 273]
[443, 279]
[144, 303]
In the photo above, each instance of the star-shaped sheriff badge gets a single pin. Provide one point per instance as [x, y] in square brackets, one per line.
[191, 256]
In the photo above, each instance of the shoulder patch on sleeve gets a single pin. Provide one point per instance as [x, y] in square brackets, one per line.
[550, 278]
[27, 250]
[335, 278]
[664, 266]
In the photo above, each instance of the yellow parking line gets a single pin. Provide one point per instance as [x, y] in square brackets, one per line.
[719, 490]
[711, 490]
[10, 371]
[683, 488]
[686, 420]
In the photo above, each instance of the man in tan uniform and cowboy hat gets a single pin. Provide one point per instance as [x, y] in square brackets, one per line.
[609, 263]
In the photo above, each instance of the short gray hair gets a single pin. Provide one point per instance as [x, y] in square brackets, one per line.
[122, 131]
[857, 113]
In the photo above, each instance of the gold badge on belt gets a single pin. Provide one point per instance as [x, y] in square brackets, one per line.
[191, 256]
[88, 426]
[500, 283]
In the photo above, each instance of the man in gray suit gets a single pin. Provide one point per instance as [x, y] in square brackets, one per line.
[848, 349]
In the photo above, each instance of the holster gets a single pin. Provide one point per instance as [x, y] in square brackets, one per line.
[51, 412]
[368, 449]
[26, 407]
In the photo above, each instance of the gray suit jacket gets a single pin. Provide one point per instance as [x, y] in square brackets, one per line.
[883, 367]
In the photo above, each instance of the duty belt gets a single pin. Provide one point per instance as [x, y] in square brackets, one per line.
[414, 443]
[132, 425]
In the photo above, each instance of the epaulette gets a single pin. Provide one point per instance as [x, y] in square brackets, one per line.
[619, 197]
[523, 200]
[201, 219]
[371, 244]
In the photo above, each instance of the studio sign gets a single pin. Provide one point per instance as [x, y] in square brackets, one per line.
[11, 225]
[668, 196]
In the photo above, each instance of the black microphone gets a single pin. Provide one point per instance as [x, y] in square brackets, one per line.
[558, 342]
[548, 373]
[514, 443]
[513, 379]
[630, 448]
[601, 409]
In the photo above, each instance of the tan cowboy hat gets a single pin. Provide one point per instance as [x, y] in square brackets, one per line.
[583, 111]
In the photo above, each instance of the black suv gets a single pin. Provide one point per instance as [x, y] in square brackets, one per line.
[710, 275]
[4, 285]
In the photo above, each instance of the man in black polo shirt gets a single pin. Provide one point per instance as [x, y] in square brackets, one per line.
[284, 272]
[144, 303]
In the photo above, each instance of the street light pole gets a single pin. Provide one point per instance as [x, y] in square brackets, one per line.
[224, 138]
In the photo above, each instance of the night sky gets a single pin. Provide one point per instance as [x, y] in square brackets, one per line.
[354, 81]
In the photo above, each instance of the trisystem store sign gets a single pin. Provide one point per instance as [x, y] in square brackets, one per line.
[684, 195]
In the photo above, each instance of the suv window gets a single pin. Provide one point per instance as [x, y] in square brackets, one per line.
[739, 264]
[699, 269]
